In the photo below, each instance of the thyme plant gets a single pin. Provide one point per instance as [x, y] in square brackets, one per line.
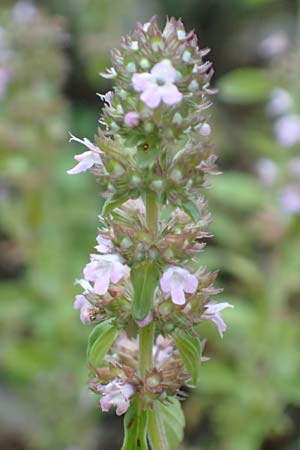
[144, 287]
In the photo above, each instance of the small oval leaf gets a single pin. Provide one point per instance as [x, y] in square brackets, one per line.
[190, 352]
[144, 277]
[99, 342]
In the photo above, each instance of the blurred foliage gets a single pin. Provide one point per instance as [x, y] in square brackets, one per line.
[249, 393]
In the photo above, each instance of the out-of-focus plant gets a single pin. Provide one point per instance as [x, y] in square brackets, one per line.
[35, 236]
[257, 232]
[144, 286]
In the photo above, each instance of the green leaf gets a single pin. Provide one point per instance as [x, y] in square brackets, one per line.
[191, 209]
[244, 86]
[99, 342]
[113, 202]
[135, 428]
[190, 352]
[144, 277]
[166, 424]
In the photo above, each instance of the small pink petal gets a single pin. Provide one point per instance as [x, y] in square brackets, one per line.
[122, 407]
[170, 94]
[141, 81]
[85, 316]
[117, 272]
[190, 284]
[217, 319]
[166, 281]
[151, 96]
[90, 271]
[80, 300]
[178, 297]
[164, 71]
[102, 283]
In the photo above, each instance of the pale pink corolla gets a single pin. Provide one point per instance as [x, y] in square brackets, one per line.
[158, 85]
[104, 269]
[177, 281]
[104, 244]
[86, 160]
[132, 119]
[83, 305]
[287, 130]
[212, 313]
[116, 393]
[290, 199]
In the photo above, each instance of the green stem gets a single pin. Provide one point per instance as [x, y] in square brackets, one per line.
[146, 334]
[146, 337]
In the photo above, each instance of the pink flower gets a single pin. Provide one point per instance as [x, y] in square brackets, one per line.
[287, 130]
[102, 269]
[104, 244]
[212, 313]
[132, 119]
[177, 281]
[158, 85]
[290, 199]
[83, 305]
[116, 393]
[88, 159]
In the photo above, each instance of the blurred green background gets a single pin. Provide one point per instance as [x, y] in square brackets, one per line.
[51, 53]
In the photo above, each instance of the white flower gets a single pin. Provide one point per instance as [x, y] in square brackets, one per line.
[158, 85]
[102, 269]
[116, 393]
[88, 159]
[177, 281]
[212, 313]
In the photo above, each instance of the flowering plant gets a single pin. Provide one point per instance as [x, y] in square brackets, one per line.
[144, 287]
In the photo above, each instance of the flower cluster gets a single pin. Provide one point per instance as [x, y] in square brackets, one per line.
[152, 158]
